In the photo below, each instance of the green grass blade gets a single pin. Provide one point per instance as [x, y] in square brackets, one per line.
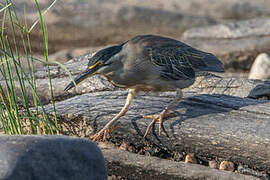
[46, 54]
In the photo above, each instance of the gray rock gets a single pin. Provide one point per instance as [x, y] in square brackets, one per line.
[236, 43]
[261, 67]
[262, 90]
[223, 9]
[232, 30]
[50, 157]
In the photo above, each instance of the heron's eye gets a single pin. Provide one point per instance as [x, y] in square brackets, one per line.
[100, 63]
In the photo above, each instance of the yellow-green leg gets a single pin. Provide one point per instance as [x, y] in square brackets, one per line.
[108, 128]
[159, 118]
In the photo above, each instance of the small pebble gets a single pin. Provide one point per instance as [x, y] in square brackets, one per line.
[190, 158]
[213, 164]
[124, 146]
[112, 177]
[105, 145]
[70, 116]
[84, 118]
[131, 149]
[226, 165]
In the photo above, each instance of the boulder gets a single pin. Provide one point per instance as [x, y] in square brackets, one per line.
[260, 68]
[261, 90]
[237, 44]
[50, 157]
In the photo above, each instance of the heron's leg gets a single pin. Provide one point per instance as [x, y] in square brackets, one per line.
[108, 127]
[159, 118]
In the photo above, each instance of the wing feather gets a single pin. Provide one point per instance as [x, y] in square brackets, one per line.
[182, 62]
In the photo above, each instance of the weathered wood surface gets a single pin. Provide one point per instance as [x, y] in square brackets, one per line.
[134, 166]
[209, 84]
[222, 126]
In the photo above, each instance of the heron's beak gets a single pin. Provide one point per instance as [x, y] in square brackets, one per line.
[89, 72]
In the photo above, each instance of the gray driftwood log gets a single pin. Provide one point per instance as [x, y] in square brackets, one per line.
[211, 126]
[137, 167]
[210, 84]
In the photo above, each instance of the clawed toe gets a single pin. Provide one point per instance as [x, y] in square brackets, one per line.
[103, 134]
[158, 119]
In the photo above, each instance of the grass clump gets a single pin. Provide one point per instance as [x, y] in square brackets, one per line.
[17, 116]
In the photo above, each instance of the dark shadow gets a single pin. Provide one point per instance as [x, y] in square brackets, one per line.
[200, 105]
[205, 104]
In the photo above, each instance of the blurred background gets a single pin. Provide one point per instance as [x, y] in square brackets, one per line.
[235, 31]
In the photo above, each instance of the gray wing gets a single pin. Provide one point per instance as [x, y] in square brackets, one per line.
[183, 62]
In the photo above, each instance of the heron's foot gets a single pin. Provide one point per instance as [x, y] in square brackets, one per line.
[103, 134]
[157, 119]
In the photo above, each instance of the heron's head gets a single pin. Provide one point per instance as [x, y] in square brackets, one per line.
[100, 63]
